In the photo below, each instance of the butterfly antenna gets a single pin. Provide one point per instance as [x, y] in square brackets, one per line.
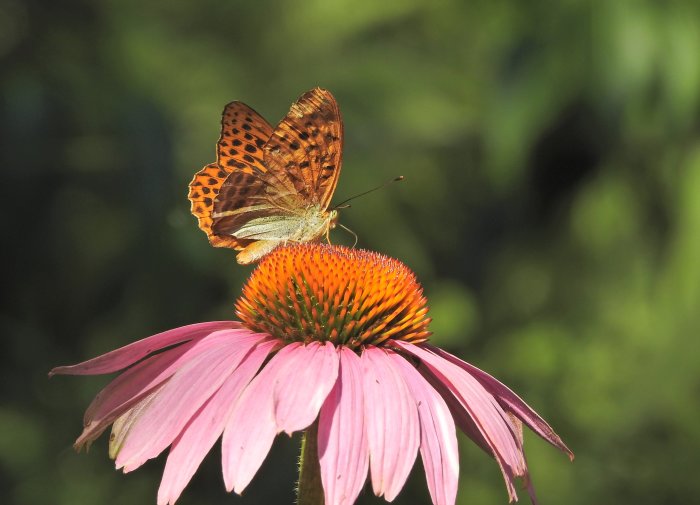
[395, 179]
[351, 232]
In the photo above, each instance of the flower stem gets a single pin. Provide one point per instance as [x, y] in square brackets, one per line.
[309, 487]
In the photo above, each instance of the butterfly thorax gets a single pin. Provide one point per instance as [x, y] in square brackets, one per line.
[315, 223]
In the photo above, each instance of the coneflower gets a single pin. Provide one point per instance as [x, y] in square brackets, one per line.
[332, 341]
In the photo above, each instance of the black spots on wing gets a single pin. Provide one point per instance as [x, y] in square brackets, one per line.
[232, 163]
[197, 194]
[208, 202]
[212, 181]
[311, 129]
[206, 190]
[235, 131]
[249, 118]
[221, 174]
[246, 127]
[248, 158]
[294, 145]
[327, 172]
[304, 164]
[304, 136]
[248, 136]
[310, 148]
[233, 152]
[260, 143]
[250, 148]
[236, 142]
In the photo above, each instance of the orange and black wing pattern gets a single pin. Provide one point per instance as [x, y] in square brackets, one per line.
[239, 151]
[307, 147]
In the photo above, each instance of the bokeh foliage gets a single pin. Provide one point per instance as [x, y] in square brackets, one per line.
[551, 210]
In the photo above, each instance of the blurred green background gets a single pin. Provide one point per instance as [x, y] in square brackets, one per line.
[551, 211]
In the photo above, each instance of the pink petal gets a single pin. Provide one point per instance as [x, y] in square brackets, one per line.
[181, 397]
[509, 400]
[391, 421]
[303, 385]
[483, 408]
[251, 428]
[459, 415]
[206, 426]
[342, 441]
[121, 358]
[128, 390]
[438, 441]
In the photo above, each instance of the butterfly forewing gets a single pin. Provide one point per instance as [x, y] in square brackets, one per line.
[307, 146]
[244, 132]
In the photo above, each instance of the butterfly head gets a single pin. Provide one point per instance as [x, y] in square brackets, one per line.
[332, 219]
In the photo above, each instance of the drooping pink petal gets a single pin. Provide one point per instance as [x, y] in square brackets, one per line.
[469, 427]
[123, 357]
[128, 390]
[459, 415]
[509, 400]
[391, 421]
[206, 426]
[303, 385]
[183, 395]
[438, 439]
[342, 441]
[483, 408]
[251, 428]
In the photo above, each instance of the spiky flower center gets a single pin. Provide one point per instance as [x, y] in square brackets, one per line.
[352, 297]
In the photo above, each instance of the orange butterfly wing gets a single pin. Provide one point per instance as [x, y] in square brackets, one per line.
[307, 145]
[239, 151]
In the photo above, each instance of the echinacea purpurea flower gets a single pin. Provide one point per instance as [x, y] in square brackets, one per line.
[329, 338]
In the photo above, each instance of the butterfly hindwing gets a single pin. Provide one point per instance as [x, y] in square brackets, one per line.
[204, 188]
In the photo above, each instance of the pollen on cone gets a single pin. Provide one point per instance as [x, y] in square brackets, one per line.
[307, 292]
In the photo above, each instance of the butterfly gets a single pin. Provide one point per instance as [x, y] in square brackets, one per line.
[270, 186]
